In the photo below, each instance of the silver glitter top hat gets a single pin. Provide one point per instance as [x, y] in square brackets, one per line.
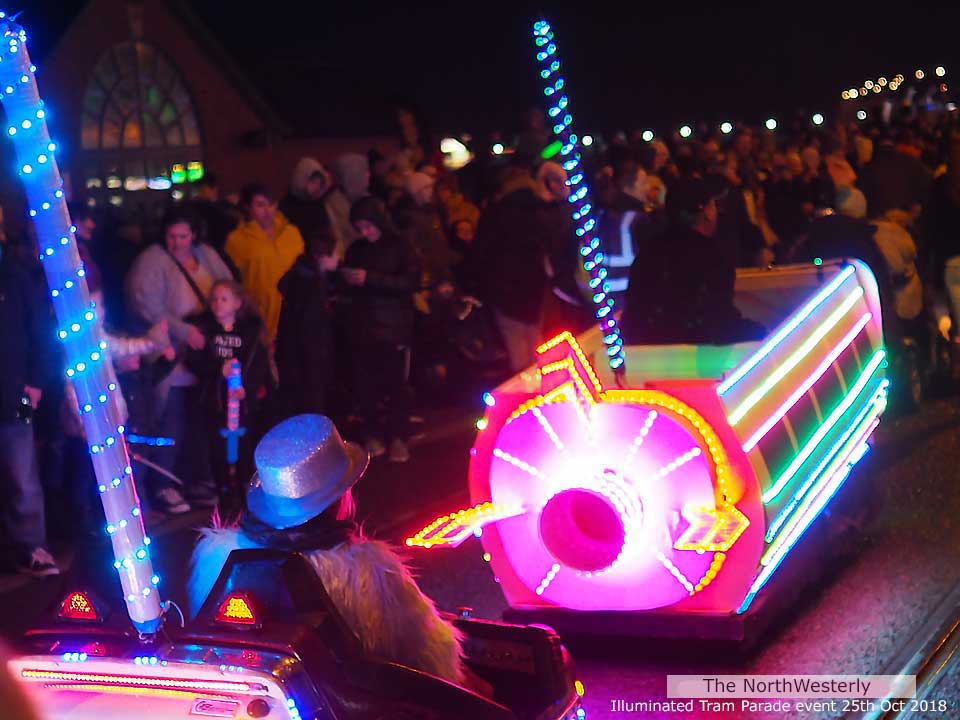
[303, 467]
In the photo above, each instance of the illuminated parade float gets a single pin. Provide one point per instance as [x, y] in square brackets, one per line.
[268, 642]
[684, 482]
[670, 480]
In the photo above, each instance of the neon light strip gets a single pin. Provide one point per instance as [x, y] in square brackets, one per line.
[548, 578]
[679, 462]
[751, 443]
[792, 325]
[638, 440]
[790, 532]
[518, 463]
[877, 404]
[675, 571]
[825, 428]
[137, 691]
[799, 354]
[142, 681]
[832, 487]
[548, 429]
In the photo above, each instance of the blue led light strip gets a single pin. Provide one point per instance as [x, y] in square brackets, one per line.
[559, 117]
[781, 335]
[876, 404]
[85, 346]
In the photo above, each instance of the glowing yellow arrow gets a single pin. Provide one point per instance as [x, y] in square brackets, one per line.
[713, 529]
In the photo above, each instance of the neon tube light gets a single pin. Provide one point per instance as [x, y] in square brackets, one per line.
[799, 354]
[877, 404]
[821, 501]
[807, 384]
[797, 528]
[825, 428]
[142, 681]
[792, 325]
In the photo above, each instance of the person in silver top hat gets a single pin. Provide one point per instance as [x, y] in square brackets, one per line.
[300, 500]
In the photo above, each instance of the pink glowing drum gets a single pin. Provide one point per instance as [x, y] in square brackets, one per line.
[684, 483]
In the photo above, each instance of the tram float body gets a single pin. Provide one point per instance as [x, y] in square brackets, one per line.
[681, 485]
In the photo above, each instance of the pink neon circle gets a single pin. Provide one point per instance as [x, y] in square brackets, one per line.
[651, 480]
[582, 530]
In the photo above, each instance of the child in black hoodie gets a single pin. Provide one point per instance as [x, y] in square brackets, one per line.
[380, 274]
[232, 332]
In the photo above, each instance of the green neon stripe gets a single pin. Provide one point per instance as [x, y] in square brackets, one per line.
[799, 354]
[814, 492]
[838, 454]
[825, 428]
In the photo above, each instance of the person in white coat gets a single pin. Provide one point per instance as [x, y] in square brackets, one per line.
[300, 500]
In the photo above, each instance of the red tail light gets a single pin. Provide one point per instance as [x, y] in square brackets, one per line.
[237, 609]
[78, 606]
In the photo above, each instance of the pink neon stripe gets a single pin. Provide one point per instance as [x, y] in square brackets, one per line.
[807, 384]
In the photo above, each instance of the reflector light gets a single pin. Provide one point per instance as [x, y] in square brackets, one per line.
[77, 606]
[141, 681]
[237, 609]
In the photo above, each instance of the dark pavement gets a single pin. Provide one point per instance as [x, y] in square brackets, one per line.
[868, 605]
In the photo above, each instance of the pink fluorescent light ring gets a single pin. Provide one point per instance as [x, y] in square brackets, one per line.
[661, 498]
[807, 384]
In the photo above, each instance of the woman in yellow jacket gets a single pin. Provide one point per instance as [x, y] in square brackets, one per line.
[263, 248]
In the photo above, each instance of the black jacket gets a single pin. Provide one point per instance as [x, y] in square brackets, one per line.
[309, 215]
[26, 335]
[513, 241]
[245, 343]
[682, 291]
[305, 336]
[893, 180]
[381, 311]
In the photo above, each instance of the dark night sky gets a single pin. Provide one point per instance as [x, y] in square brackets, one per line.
[470, 67]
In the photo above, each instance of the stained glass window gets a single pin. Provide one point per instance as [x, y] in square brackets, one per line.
[137, 113]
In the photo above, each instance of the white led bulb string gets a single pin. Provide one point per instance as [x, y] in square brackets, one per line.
[85, 347]
[558, 115]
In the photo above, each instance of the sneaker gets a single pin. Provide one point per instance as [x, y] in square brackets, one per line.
[374, 447]
[398, 451]
[39, 563]
[170, 501]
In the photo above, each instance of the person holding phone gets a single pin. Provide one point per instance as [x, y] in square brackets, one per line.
[380, 273]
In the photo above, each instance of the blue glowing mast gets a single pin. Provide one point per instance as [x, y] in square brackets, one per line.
[559, 116]
[85, 347]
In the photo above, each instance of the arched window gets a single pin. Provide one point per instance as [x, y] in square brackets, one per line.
[139, 128]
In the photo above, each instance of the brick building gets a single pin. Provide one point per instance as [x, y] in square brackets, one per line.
[143, 99]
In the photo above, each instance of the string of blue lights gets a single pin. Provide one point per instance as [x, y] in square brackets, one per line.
[84, 344]
[579, 198]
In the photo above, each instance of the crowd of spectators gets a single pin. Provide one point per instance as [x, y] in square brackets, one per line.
[378, 284]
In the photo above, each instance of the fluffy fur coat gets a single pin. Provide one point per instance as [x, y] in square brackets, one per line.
[373, 590]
